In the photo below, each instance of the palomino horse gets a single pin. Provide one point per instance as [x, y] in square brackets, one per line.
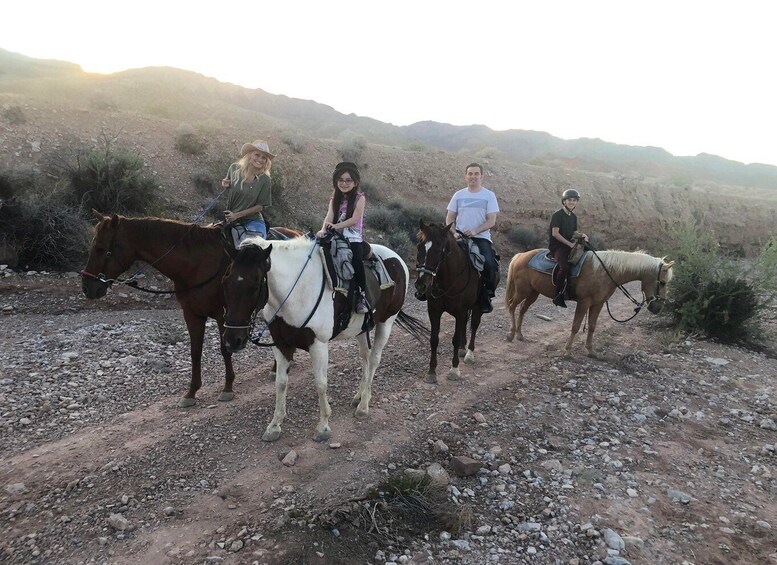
[194, 257]
[600, 275]
[450, 284]
[301, 309]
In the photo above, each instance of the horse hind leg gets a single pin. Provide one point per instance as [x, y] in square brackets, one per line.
[370, 363]
[469, 358]
[525, 305]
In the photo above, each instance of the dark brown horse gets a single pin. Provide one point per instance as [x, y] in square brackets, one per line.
[450, 283]
[194, 257]
[600, 275]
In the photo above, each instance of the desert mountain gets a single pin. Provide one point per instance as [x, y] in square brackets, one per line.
[632, 195]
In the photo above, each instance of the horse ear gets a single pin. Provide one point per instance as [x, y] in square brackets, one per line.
[669, 265]
[421, 224]
[99, 215]
[449, 226]
[114, 220]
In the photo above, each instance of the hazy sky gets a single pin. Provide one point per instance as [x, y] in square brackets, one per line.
[689, 76]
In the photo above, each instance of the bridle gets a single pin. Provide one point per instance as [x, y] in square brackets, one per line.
[101, 276]
[264, 288]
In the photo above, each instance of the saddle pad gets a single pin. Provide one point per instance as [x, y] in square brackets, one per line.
[374, 264]
[544, 264]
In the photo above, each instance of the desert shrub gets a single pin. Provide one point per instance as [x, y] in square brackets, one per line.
[36, 230]
[14, 115]
[352, 146]
[111, 181]
[400, 223]
[204, 184]
[488, 153]
[371, 191]
[189, 142]
[417, 146]
[712, 294]
[598, 242]
[525, 238]
[295, 141]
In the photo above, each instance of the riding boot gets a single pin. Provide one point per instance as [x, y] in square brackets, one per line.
[485, 301]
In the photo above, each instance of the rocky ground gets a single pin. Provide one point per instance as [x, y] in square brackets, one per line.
[658, 450]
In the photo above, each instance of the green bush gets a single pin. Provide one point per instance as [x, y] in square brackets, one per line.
[400, 223]
[526, 238]
[295, 141]
[715, 295]
[111, 181]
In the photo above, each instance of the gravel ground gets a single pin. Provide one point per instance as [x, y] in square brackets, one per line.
[656, 451]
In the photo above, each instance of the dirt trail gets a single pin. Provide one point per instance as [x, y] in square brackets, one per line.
[195, 484]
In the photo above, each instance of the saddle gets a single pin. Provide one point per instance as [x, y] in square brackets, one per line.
[544, 262]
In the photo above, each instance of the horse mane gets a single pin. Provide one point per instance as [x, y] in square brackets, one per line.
[163, 229]
[622, 262]
[287, 244]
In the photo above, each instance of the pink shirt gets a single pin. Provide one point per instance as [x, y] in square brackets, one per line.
[353, 233]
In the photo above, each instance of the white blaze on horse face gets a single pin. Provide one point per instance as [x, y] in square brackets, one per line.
[240, 278]
[428, 246]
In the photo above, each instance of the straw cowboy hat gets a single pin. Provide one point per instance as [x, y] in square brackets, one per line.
[258, 145]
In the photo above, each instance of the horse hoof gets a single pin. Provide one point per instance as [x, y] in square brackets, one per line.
[454, 375]
[226, 396]
[461, 352]
[186, 402]
[323, 435]
[509, 337]
[361, 414]
[270, 436]
[469, 358]
[431, 378]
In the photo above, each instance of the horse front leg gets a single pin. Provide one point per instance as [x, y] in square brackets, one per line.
[196, 327]
[477, 316]
[580, 312]
[229, 377]
[593, 316]
[319, 354]
[370, 363]
[434, 342]
[282, 359]
[461, 327]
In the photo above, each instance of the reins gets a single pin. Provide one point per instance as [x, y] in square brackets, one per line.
[252, 323]
[131, 282]
[639, 305]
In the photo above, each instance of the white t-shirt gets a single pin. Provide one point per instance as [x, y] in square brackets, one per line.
[471, 209]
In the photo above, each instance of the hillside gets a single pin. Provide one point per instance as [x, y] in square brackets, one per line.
[631, 195]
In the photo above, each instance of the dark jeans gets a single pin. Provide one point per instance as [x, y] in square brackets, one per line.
[358, 264]
[490, 267]
[561, 254]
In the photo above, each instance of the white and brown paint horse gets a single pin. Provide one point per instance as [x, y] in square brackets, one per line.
[600, 275]
[288, 281]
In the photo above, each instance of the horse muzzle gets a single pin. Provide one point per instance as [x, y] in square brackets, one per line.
[655, 306]
[235, 340]
[93, 288]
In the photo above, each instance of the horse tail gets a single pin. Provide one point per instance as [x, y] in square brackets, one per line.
[511, 292]
[413, 326]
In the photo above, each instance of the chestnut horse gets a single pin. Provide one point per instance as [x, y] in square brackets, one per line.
[288, 280]
[450, 284]
[600, 275]
[194, 257]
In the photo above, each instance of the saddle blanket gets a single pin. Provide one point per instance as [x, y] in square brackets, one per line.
[542, 263]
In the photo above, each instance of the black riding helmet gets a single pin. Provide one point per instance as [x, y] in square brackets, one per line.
[570, 193]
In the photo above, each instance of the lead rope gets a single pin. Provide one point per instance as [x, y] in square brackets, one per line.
[638, 305]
